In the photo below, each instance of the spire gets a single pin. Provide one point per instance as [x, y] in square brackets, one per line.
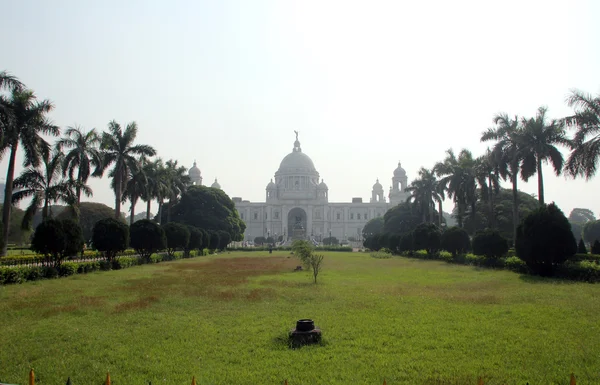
[297, 143]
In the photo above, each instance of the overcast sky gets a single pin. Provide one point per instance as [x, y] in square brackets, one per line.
[365, 83]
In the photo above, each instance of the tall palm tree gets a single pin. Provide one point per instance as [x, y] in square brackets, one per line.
[425, 194]
[538, 142]
[29, 124]
[137, 186]
[585, 156]
[457, 175]
[488, 178]
[84, 155]
[119, 150]
[177, 180]
[44, 186]
[507, 153]
[10, 83]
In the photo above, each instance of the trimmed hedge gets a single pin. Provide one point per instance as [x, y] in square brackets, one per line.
[288, 248]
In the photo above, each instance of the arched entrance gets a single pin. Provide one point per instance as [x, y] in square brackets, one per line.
[297, 223]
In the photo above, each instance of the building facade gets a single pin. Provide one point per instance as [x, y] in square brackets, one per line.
[297, 204]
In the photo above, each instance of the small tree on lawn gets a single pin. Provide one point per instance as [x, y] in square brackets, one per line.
[195, 242]
[427, 236]
[315, 262]
[205, 240]
[110, 236]
[455, 240]
[224, 239]
[213, 243]
[596, 247]
[581, 249]
[490, 244]
[302, 250]
[73, 238]
[147, 238]
[544, 240]
[49, 240]
[178, 237]
[259, 241]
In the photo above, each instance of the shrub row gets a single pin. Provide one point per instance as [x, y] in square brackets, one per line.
[20, 274]
[289, 248]
[37, 258]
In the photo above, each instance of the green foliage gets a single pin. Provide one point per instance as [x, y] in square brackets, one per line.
[315, 263]
[178, 236]
[147, 237]
[596, 247]
[73, 238]
[381, 254]
[581, 249]
[372, 227]
[213, 240]
[110, 236]
[49, 239]
[515, 264]
[89, 214]
[210, 209]
[591, 231]
[125, 262]
[302, 250]
[331, 241]
[490, 243]
[427, 236]
[406, 242]
[196, 238]
[455, 240]
[224, 239]
[372, 242]
[259, 241]
[544, 240]
[401, 219]
[66, 269]
[270, 240]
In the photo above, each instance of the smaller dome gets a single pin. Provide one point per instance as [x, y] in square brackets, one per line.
[271, 185]
[194, 172]
[216, 184]
[399, 171]
[322, 186]
[377, 185]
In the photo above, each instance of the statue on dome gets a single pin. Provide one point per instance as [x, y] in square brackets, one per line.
[296, 132]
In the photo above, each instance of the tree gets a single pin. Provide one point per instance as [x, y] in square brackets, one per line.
[373, 226]
[224, 239]
[591, 231]
[156, 187]
[596, 247]
[302, 249]
[583, 160]
[89, 214]
[178, 181]
[209, 209]
[372, 242]
[332, 241]
[401, 219]
[455, 240]
[507, 155]
[581, 249]
[490, 244]
[147, 238]
[259, 240]
[28, 123]
[425, 193]
[581, 215]
[213, 240]
[49, 240]
[83, 154]
[544, 240]
[458, 176]
[315, 262]
[44, 187]
[427, 236]
[538, 142]
[110, 236]
[136, 187]
[488, 177]
[7, 118]
[196, 239]
[119, 150]
[178, 236]
[73, 238]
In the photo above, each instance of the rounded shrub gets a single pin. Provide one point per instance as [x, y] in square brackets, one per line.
[177, 235]
[195, 241]
[427, 236]
[110, 236]
[147, 237]
[49, 240]
[73, 237]
[224, 239]
[544, 240]
[213, 242]
[490, 244]
[455, 240]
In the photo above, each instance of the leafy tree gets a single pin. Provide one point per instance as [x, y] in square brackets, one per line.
[401, 219]
[591, 231]
[178, 236]
[427, 236]
[28, 123]
[425, 194]
[110, 236]
[7, 118]
[209, 209]
[596, 247]
[581, 249]
[270, 240]
[372, 242]
[178, 181]
[507, 155]
[224, 239]
[44, 187]
[315, 263]
[455, 240]
[584, 158]
[120, 151]
[406, 242]
[302, 249]
[213, 243]
[205, 239]
[259, 240]
[538, 145]
[196, 239]
[373, 226]
[49, 239]
[581, 215]
[331, 241]
[490, 243]
[83, 155]
[89, 214]
[73, 238]
[545, 240]
[577, 230]
[147, 238]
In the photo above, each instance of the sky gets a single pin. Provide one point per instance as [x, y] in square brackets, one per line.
[366, 84]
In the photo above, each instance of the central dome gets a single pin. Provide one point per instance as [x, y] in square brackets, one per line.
[297, 162]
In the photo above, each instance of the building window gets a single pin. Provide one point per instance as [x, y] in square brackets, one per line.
[351, 215]
[265, 215]
[242, 216]
[338, 216]
[255, 216]
[358, 216]
[276, 214]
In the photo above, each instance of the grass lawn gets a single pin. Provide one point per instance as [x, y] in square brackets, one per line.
[225, 320]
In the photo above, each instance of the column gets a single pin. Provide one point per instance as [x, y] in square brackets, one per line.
[309, 221]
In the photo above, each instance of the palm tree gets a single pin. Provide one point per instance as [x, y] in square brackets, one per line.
[425, 193]
[137, 186]
[27, 127]
[488, 178]
[84, 155]
[538, 142]
[119, 150]
[458, 179]
[11, 83]
[507, 155]
[44, 186]
[177, 180]
[584, 158]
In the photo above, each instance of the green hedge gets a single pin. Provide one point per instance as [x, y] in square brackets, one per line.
[288, 248]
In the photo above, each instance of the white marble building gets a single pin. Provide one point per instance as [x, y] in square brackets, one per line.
[297, 205]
